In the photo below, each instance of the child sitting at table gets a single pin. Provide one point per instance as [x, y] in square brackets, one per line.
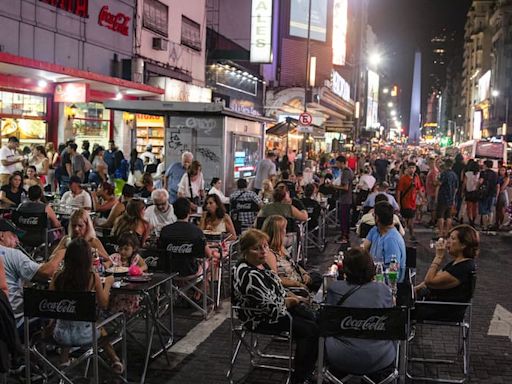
[127, 256]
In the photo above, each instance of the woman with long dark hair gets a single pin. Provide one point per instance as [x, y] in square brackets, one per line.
[13, 192]
[77, 276]
[215, 218]
[132, 220]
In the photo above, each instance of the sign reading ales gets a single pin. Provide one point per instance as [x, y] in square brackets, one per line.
[76, 7]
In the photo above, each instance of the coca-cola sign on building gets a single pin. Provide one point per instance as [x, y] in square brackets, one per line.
[116, 22]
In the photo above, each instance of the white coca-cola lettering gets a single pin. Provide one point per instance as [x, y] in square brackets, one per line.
[183, 248]
[62, 306]
[29, 220]
[117, 23]
[243, 206]
[373, 323]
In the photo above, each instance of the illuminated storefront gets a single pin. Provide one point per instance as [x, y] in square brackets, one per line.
[24, 116]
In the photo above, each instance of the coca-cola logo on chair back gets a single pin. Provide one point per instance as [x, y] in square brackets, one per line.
[364, 323]
[76, 306]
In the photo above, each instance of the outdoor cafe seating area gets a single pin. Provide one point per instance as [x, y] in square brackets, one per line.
[165, 294]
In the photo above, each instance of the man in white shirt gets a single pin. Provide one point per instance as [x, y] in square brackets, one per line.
[148, 157]
[161, 213]
[9, 157]
[76, 196]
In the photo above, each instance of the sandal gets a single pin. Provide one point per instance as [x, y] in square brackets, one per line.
[117, 367]
[66, 364]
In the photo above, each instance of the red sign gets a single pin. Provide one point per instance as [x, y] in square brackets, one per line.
[305, 118]
[77, 7]
[117, 23]
[72, 93]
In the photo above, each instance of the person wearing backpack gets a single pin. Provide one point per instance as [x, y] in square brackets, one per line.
[487, 193]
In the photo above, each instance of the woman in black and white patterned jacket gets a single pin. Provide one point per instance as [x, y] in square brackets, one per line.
[256, 286]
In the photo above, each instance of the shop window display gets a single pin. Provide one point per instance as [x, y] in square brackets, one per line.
[90, 121]
[24, 116]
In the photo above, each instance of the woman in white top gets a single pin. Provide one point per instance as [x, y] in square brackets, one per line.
[470, 189]
[191, 185]
[41, 162]
[215, 189]
[215, 217]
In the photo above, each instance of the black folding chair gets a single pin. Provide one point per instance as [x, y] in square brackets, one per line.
[440, 314]
[37, 231]
[362, 323]
[70, 306]
[248, 338]
[187, 258]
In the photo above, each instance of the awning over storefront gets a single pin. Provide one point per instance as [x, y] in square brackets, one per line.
[292, 126]
[26, 74]
[155, 107]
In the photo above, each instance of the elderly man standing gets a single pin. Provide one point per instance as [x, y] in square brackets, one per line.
[174, 174]
[161, 213]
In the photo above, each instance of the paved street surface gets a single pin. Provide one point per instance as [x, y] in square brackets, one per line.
[202, 355]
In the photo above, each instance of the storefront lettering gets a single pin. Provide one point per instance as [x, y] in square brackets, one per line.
[76, 7]
[117, 23]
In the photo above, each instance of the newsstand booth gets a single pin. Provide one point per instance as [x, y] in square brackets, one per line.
[228, 144]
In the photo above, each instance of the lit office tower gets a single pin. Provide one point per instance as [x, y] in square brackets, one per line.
[415, 119]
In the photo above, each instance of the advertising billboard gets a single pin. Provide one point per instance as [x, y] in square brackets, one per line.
[372, 107]
[339, 31]
[484, 86]
[299, 12]
[261, 31]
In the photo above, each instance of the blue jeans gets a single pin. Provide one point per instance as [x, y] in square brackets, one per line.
[485, 205]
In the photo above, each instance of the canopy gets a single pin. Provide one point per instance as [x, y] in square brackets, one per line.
[290, 125]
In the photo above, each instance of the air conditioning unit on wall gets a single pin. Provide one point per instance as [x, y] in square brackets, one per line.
[159, 44]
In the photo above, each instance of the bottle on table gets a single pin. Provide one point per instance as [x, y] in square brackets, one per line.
[379, 272]
[393, 272]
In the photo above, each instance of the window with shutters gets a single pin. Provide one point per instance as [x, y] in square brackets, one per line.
[156, 17]
[190, 33]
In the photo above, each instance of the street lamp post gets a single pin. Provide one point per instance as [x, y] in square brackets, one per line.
[305, 135]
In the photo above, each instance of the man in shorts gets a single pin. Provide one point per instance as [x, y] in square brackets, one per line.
[447, 190]
[408, 187]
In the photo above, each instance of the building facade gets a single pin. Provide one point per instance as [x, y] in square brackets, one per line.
[59, 62]
[501, 63]
[476, 74]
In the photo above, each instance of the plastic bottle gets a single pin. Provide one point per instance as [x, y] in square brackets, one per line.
[379, 272]
[393, 271]
[333, 271]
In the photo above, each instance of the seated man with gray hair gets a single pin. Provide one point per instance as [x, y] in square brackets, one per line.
[161, 213]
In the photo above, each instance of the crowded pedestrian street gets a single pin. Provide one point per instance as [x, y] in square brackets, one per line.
[255, 191]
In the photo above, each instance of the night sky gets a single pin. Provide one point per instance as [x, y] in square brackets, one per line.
[401, 26]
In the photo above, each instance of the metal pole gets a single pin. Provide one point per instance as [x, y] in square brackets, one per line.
[306, 86]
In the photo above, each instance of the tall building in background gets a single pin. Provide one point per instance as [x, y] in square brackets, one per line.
[501, 64]
[415, 116]
[476, 73]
